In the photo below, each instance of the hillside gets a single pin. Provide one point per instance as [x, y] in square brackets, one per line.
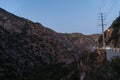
[84, 42]
[30, 51]
[112, 37]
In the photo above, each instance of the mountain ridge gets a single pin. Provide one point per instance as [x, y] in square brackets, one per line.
[28, 50]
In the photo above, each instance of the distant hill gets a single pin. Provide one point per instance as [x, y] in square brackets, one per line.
[95, 37]
[84, 42]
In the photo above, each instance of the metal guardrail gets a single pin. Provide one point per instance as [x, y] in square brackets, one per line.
[114, 50]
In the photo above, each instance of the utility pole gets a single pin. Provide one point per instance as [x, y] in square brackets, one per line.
[103, 35]
[102, 25]
[119, 13]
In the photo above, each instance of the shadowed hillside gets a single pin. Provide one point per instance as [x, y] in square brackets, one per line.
[30, 51]
[112, 37]
[84, 42]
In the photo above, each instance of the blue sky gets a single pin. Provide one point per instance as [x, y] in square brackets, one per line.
[66, 16]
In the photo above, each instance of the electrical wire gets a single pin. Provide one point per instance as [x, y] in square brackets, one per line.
[112, 7]
[103, 4]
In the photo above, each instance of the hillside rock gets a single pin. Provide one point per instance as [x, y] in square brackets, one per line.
[95, 37]
[29, 51]
[84, 42]
[112, 37]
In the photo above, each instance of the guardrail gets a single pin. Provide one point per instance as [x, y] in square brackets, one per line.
[114, 50]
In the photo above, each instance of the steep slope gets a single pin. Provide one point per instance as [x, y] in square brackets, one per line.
[95, 37]
[112, 37]
[84, 42]
[29, 51]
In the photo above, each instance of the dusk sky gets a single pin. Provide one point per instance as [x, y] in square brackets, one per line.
[66, 16]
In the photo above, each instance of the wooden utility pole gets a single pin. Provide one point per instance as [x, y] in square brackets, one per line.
[119, 13]
[102, 24]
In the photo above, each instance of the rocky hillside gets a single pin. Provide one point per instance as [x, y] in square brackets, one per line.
[112, 37]
[95, 37]
[84, 42]
[29, 51]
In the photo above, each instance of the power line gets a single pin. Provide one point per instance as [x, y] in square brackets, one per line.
[112, 7]
[119, 3]
[109, 6]
[103, 4]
